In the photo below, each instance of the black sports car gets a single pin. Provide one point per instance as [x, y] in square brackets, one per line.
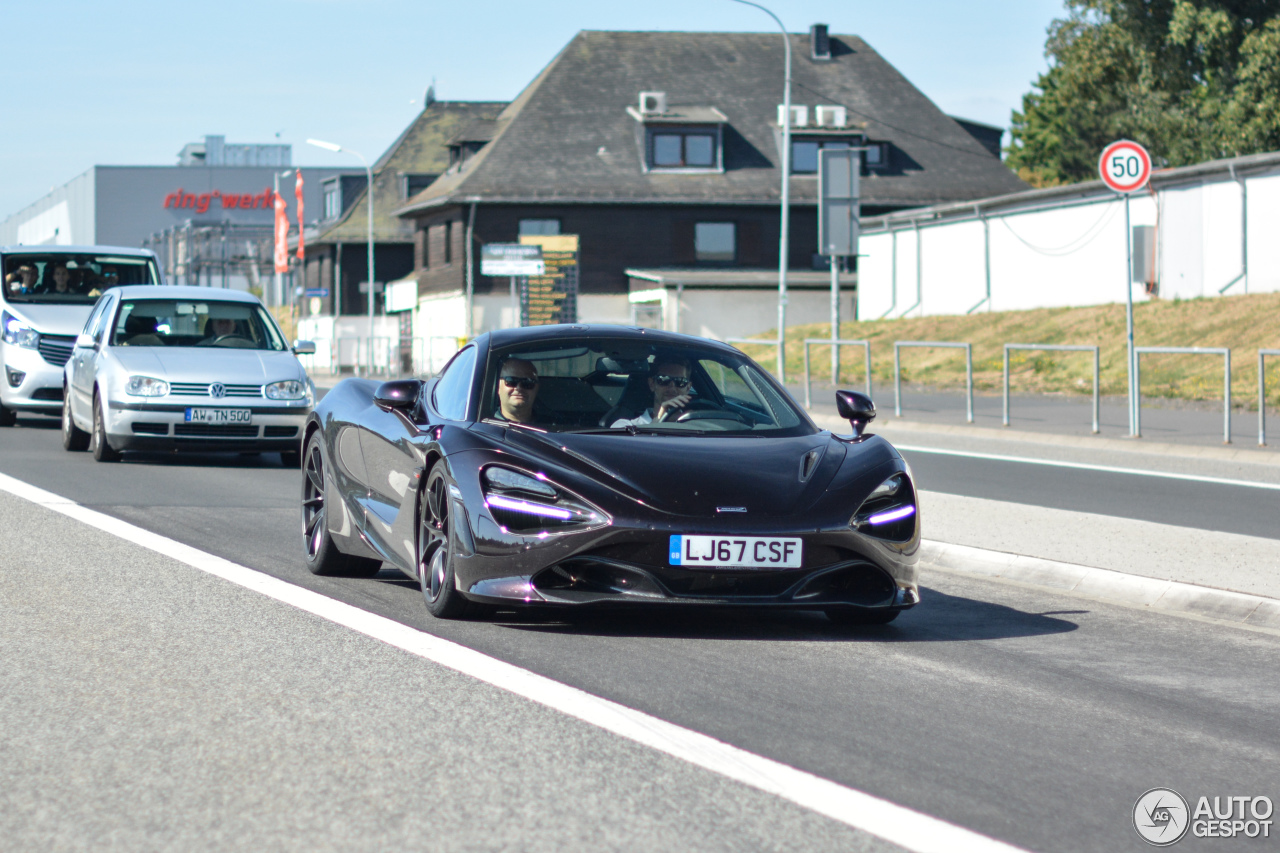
[584, 465]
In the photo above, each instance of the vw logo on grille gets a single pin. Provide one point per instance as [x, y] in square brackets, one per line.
[217, 389]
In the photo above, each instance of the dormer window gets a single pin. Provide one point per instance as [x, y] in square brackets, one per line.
[804, 153]
[684, 149]
[332, 195]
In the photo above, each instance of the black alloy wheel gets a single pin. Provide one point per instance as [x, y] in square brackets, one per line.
[852, 617]
[102, 451]
[436, 550]
[322, 554]
[73, 438]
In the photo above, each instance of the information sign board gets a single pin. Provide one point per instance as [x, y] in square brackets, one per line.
[552, 296]
[1125, 166]
[511, 259]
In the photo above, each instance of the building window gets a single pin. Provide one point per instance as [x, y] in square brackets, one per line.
[539, 226]
[414, 184]
[448, 241]
[332, 199]
[672, 149]
[804, 153]
[876, 155]
[714, 242]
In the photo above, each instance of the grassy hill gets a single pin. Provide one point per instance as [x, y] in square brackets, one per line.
[1243, 323]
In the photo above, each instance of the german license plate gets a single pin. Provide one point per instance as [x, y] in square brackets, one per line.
[747, 552]
[219, 416]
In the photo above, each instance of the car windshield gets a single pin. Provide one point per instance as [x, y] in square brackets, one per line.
[626, 387]
[204, 323]
[74, 278]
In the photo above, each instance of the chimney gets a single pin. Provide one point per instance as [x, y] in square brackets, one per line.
[819, 42]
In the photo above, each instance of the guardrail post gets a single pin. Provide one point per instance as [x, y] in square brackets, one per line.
[968, 375]
[808, 383]
[1262, 394]
[897, 380]
[1006, 384]
[1097, 399]
[1135, 393]
[1226, 398]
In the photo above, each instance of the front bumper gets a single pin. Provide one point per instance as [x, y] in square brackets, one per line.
[30, 383]
[163, 427]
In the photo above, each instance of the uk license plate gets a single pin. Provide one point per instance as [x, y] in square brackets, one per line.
[746, 552]
[219, 416]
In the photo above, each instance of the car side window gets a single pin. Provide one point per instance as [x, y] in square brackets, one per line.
[100, 324]
[93, 318]
[450, 396]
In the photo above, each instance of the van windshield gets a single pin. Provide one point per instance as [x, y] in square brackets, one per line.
[73, 278]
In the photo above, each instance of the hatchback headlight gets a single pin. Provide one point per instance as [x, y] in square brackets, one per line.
[289, 389]
[19, 333]
[523, 503]
[146, 386]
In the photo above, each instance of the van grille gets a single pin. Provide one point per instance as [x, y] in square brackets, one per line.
[56, 349]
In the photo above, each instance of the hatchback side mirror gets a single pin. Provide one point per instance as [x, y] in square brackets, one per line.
[86, 341]
[399, 394]
[856, 408]
[304, 348]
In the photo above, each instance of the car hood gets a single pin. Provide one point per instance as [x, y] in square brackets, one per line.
[695, 476]
[53, 319]
[210, 364]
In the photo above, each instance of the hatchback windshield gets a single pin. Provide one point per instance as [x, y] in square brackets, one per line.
[626, 387]
[72, 277]
[181, 323]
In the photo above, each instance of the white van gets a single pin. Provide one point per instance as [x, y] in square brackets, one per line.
[46, 294]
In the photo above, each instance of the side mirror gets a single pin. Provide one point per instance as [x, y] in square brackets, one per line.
[86, 341]
[399, 394]
[856, 408]
[304, 348]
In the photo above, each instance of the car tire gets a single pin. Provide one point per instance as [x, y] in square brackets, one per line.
[852, 617]
[73, 438]
[319, 549]
[290, 458]
[436, 550]
[8, 417]
[102, 450]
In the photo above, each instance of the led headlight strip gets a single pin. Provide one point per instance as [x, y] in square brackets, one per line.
[531, 508]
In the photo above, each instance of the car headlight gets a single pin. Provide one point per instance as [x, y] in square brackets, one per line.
[889, 512]
[146, 386]
[289, 389]
[529, 504]
[19, 333]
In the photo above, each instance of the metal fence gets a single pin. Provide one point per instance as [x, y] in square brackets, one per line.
[897, 371]
[1097, 403]
[835, 344]
[1262, 394]
[1225, 352]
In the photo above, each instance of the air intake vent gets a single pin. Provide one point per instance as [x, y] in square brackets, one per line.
[819, 42]
[653, 103]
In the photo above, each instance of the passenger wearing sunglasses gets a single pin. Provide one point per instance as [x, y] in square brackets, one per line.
[517, 390]
[669, 382]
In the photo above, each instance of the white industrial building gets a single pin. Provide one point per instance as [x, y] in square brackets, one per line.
[1204, 230]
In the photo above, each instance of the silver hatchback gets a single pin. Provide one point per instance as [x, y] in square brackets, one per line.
[184, 368]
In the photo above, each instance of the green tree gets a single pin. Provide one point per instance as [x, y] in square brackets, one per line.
[1192, 80]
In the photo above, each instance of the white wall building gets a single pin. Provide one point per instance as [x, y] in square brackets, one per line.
[1204, 230]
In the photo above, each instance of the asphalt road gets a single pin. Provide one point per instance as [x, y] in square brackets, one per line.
[1031, 717]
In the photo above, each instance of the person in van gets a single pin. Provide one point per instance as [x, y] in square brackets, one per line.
[21, 280]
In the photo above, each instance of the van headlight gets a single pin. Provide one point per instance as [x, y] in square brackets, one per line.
[289, 389]
[530, 504]
[146, 386]
[19, 333]
[889, 512]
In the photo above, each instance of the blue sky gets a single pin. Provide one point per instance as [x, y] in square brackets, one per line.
[126, 83]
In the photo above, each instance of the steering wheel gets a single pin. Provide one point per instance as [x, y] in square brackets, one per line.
[699, 410]
[218, 341]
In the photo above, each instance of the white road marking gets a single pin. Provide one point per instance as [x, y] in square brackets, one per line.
[1085, 466]
[894, 823]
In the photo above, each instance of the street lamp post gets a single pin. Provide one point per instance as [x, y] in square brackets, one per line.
[277, 286]
[783, 240]
[333, 146]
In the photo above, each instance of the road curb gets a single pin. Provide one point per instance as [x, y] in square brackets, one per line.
[1254, 455]
[1253, 611]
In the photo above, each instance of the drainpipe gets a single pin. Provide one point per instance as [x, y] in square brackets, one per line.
[893, 275]
[986, 260]
[1244, 233]
[470, 306]
[919, 280]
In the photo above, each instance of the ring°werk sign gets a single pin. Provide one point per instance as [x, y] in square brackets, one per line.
[500, 259]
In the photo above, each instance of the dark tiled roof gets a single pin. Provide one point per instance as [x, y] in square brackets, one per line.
[569, 136]
[421, 149]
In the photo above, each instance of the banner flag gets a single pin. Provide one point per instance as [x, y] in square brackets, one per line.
[282, 235]
[297, 189]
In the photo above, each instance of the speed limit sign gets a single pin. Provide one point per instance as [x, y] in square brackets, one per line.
[1125, 166]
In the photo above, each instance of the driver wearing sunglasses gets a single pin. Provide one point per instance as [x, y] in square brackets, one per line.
[669, 382]
[517, 390]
